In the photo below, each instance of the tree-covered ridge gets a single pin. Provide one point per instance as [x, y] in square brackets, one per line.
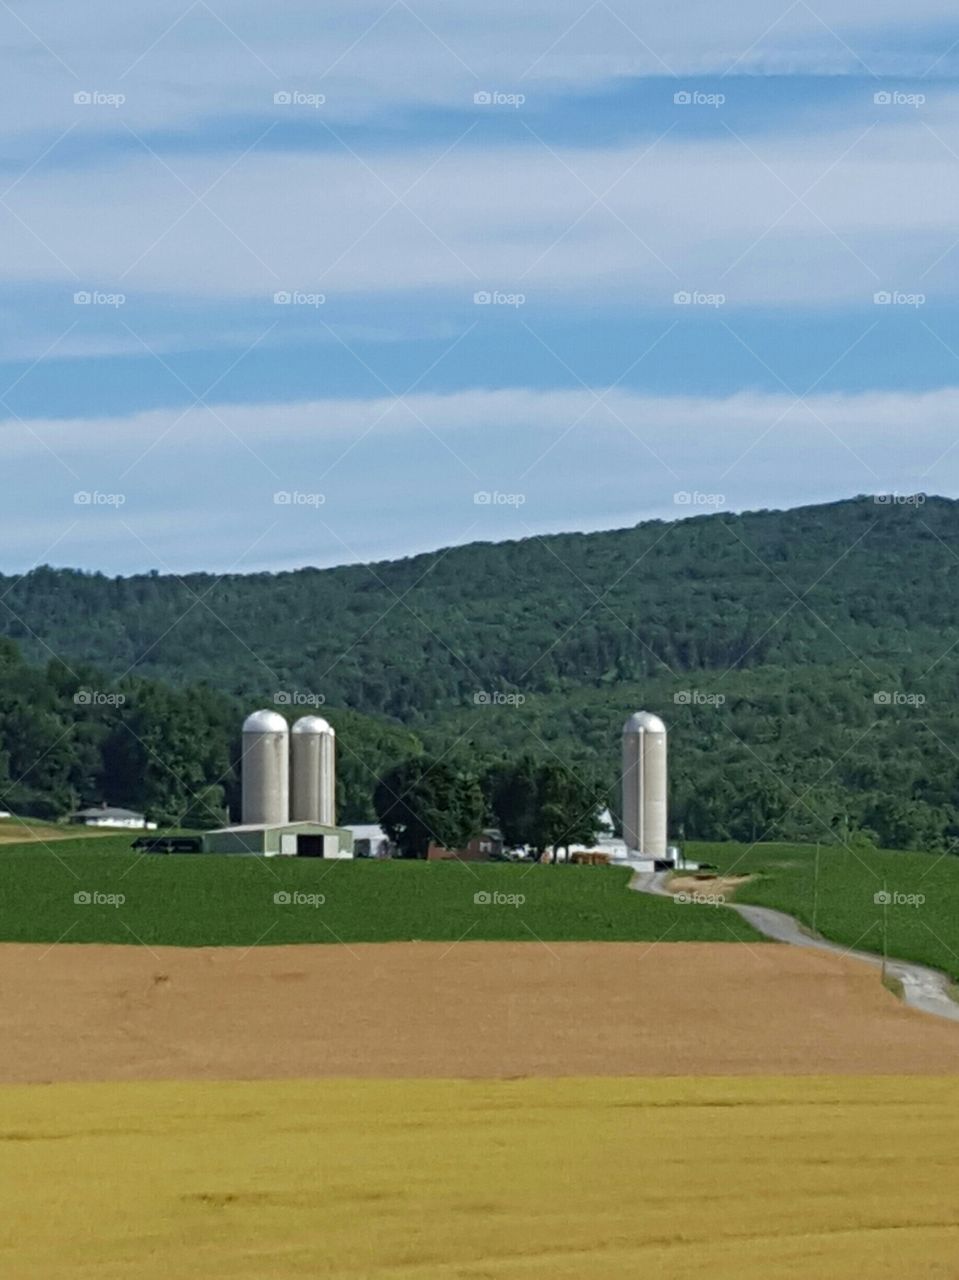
[807, 663]
[71, 737]
[855, 581]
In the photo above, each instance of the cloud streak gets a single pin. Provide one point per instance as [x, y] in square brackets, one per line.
[377, 478]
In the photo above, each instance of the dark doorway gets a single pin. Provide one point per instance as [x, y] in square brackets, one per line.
[309, 846]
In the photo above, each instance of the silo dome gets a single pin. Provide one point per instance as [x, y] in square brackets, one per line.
[266, 769]
[644, 720]
[314, 771]
[645, 818]
[312, 724]
[264, 722]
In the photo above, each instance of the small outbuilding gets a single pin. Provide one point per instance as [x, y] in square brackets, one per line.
[105, 815]
[288, 839]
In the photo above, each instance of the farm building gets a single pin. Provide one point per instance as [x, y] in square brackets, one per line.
[106, 816]
[488, 844]
[370, 840]
[285, 839]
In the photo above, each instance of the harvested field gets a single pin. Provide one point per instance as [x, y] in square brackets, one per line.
[90, 1012]
[761, 1179]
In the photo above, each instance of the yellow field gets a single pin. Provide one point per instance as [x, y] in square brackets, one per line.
[534, 1180]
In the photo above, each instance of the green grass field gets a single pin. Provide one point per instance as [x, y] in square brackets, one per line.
[922, 920]
[219, 901]
[212, 901]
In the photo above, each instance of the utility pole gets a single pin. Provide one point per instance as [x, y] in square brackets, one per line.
[815, 892]
[885, 929]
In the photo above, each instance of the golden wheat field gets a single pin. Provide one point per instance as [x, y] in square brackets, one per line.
[590, 1179]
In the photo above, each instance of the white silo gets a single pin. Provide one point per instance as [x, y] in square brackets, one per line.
[314, 771]
[644, 785]
[266, 769]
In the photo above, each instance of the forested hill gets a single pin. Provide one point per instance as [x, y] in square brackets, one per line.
[852, 582]
[807, 663]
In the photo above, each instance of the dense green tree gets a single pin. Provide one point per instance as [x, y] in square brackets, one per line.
[426, 801]
[543, 804]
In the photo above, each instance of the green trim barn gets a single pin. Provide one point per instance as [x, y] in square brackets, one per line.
[288, 839]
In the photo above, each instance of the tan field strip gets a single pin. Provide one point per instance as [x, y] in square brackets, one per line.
[480, 1010]
[750, 1179]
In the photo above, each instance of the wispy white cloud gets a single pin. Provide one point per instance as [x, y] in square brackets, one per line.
[379, 478]
[818, 220]
[178, 59]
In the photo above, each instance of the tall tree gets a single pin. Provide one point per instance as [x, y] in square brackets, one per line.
[425, 801]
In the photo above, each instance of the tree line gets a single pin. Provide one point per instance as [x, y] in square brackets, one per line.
[540, 805]
[806, 663]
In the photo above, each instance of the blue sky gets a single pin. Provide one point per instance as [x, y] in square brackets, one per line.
[720, 252]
